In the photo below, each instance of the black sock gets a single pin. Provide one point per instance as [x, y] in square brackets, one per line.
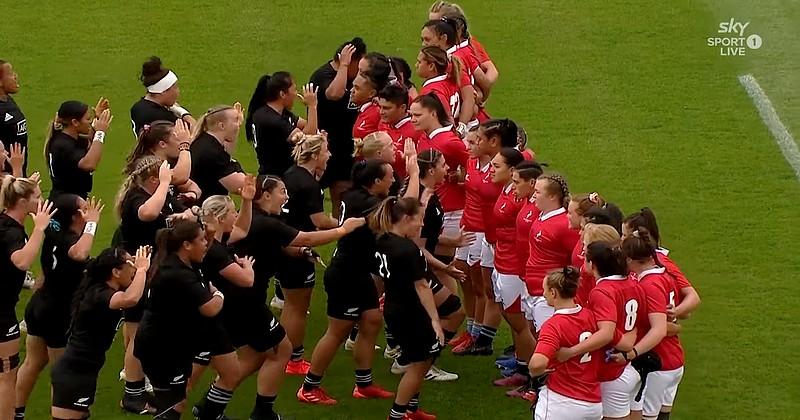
[398, 411]
[413, 403]
[354, 333]
[134, 389]
[215, 402]
[311, 381]
[363, 377]
[264, 406]
[448, 335]
[19, 413]
[390, 341]
[297, 353]
[663, 416]
[486, 337]
[522, 368]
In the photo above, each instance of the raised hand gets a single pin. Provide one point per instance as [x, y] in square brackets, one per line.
[346, 56]
[142, 258]
[248, 191]
[35, 177]
[239, 112]
[164, 173]
[182, 132]
[91, 212]
[246, 262]
[309, 96]
[102, 121]
[16, 158]
[44, 212]
[102, 105]
[410, 153]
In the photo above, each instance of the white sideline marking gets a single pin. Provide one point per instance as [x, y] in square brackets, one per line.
[782, 136]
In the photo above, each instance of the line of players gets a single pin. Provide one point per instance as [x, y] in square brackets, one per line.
[467, 213]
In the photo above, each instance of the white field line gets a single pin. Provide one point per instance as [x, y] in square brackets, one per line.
[782, 136]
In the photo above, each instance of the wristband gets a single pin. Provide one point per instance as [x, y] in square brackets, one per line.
[462, 129]
[90, 228]
[635, 352]
[218, 293]
[179, 111]
[184, 146]
[99, 136]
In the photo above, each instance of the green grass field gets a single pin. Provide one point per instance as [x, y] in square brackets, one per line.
[624, 98]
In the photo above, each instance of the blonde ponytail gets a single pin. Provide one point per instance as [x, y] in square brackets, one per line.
[13, 189]
[144, 168]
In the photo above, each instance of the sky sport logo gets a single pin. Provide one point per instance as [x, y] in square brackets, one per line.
[732, 41]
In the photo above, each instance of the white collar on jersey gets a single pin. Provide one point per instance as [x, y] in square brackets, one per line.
[616, 277]
[438, 131]
[457, 47]
[365, 106]
[507, 188]
[485, 167]
[552, 213]
[654, 270]
[569, 311]
[438, 78]
[402, 122]
[662, 251]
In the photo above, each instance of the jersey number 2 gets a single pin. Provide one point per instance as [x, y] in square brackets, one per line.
[383, 267]
[587, 357]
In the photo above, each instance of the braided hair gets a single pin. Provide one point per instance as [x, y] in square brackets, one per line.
[557, 185]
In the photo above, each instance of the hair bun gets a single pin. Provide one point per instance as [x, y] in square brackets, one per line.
[152, 66]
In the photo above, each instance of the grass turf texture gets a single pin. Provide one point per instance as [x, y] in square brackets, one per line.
[624, 98]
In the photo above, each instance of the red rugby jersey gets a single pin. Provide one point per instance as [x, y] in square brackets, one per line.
[551, 243]
[527, 214]
[448, 93]
[399, 132]
[577, 377]
[505, 212]
[672, 268]
[480, 52]
[660, 290]
[367, 121]
[467, 56]
[443, 139]
[481, 196]
[587, 279]
[617, 299]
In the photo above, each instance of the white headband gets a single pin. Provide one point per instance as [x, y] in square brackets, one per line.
[165, 83]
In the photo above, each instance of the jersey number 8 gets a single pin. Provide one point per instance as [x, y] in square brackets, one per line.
[631, 307]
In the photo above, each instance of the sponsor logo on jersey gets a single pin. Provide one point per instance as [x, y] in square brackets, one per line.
[22, 127]
[352, 310]
[8, 117]
[13, 330]
[82, 402]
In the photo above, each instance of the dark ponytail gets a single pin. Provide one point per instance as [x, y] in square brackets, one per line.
[268, 89]
[608, 260]
[511, 156]
[644, 218]
[98, 270]
[504, 129]
[529, 170]
[67, 112]
[444, 26]
[169, 240]
[149, 136]
[366, 172]
[426, 160]
[152, 71]
[640, 246]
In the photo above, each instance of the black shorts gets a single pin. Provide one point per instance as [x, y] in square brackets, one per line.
[48, 321]
[414, 334]
[350, 293]
[433, 282]
[255, 327]
[213, 342]
[74, 384]
[9, 327]
[340, 166]
[135, 313]
[297, 273]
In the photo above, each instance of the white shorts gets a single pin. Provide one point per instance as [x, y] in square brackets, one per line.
[660, 390]
[537, 310]
[472, 253]
[554, 406]
[509, 290]
[618, 395]
[487, 254]
[452, 226]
